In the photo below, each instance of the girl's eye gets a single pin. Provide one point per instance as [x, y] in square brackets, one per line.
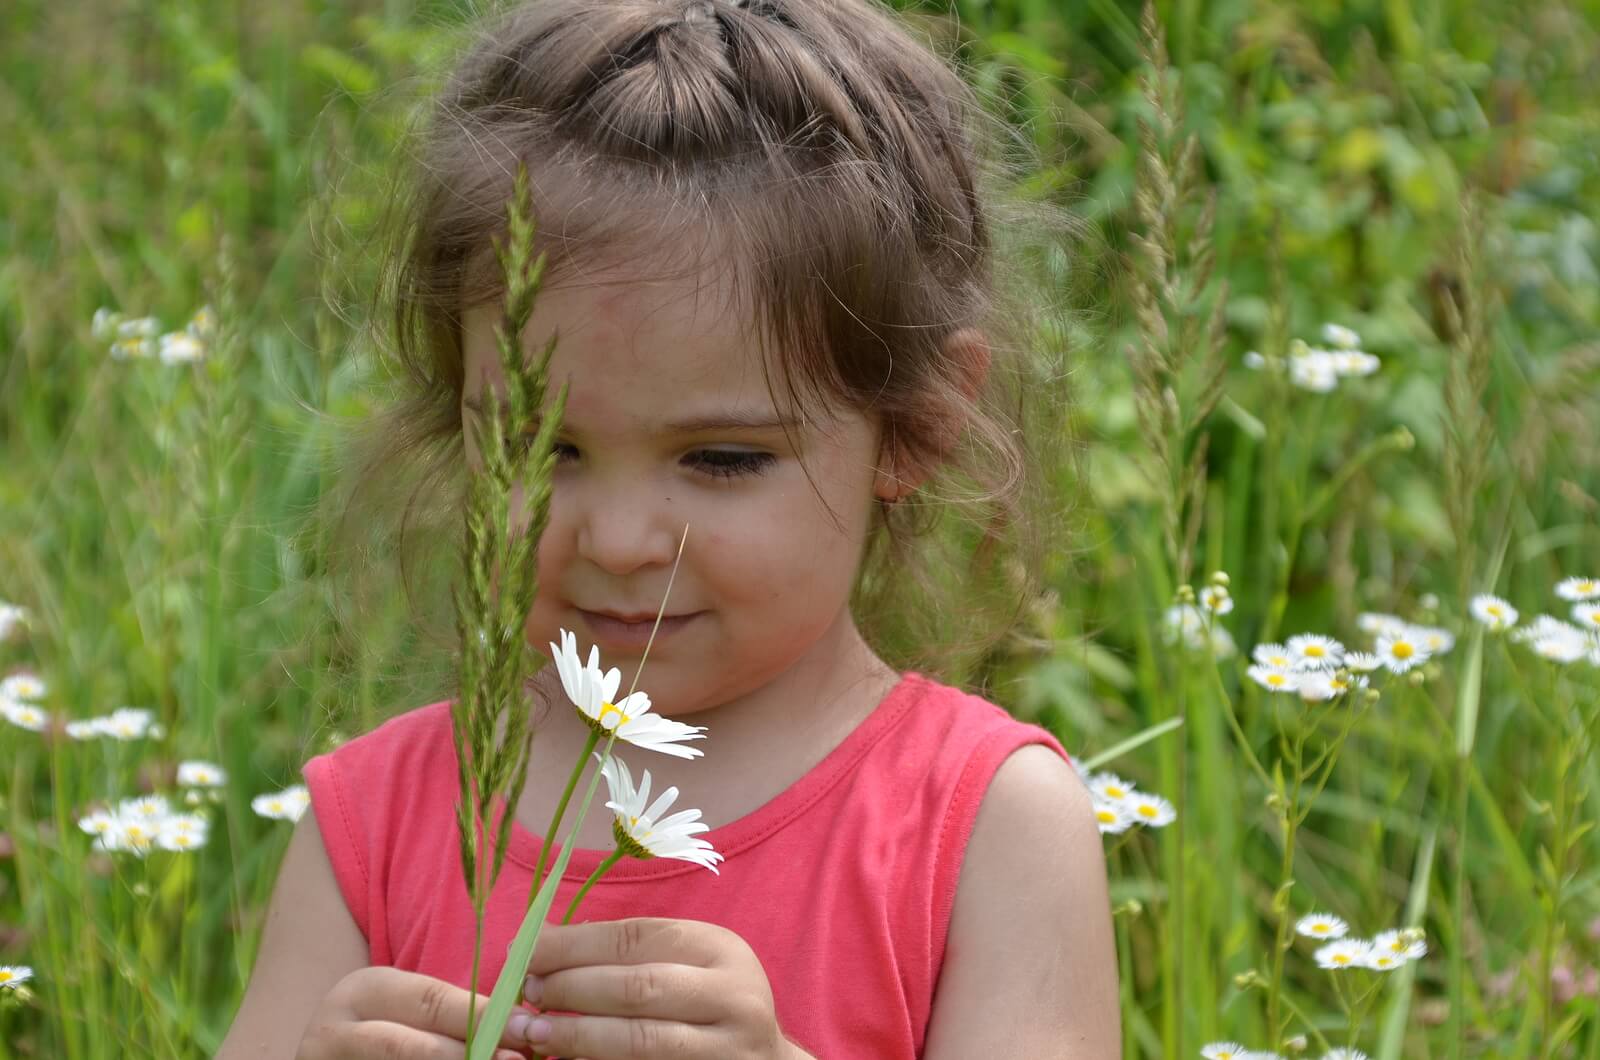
[720, 463]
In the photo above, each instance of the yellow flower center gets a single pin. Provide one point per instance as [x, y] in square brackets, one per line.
[1115, 792]
[1315, 651]
[1495, 611]
[1402, 650]
[1105, 816]
[612, 708]
[1276, 679]
[5, 976]
[1148, 810]
[1319, 929]
[1341, 958]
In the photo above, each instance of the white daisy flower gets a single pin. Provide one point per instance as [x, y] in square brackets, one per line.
[285, 805]
[1436, 641]
[1361, 662]
[200, 775]
[104, 324]
[1224, 1051]
[1342, 1053]
[183, 831]
[138, 328]
[1587, 613]
[84, 728]
[98, 823]
[593, 693]
[1321, 926]
[127, 723]
[1313, 371]
[1561, 647]
[1312, 651]
[133, 349]
[1377, 623]
[1340, 336]
[1408, 944]
[203, 325]
[1354, 363]
[14, 975]
[24, 715]
[180, 347]
[1274, 655]
[1342, 953]
[1110, 787]
[1493, 612]
[1274, 679]
[1380, 960]
[1578, 588]
[1112, 818]
[24, 686]
[144, 808]
[644, 833]
[1215, 598]
[1545, 626]
[1152, 811]
[129, 836]
[12, 618]
[1400, 651]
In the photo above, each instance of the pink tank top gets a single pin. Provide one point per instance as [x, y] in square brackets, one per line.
[843, 884]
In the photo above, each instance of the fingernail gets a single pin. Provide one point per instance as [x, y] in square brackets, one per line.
[538, 1030]
[533, 989]
[517, 1025]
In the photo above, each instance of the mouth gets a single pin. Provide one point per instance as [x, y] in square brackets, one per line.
[632, 630]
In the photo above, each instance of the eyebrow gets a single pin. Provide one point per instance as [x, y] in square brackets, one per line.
[716, 421]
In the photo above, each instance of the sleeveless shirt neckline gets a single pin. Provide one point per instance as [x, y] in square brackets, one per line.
[746, 831]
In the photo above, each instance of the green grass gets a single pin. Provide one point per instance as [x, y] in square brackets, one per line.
[160, 522]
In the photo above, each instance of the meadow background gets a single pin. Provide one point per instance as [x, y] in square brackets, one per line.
[1424, 173]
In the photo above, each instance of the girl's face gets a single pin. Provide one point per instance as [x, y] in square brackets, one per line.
[669, 424]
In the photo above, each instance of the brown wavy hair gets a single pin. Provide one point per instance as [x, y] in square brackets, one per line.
[850, 183]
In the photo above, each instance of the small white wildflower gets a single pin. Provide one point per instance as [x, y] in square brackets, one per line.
[1578, 588]
[98, 823]
[203, 325]
[24, 715]
[1561, 647]
[138, 328]
[1400, 651]
[1224, 1051]
[1361, 662]
[133, 348]
[180, 347]
[1408, 944]
[1493, 612]
[183, 831]
[14, 975]
[104, 324]
[84, 728]
[1380, 960]
[1434, 640]
[1313, 371]
[1377, 623]
[1274, 679]
[144, 808]
[1340, 336]
[1110, 787]
[1354, 363]
[1321, 926]
[1587, 613]
[1112, 818]
[1254, 361]
[1342, 1053]
[1274, 655]
[200, 775]
[1342, 953]
[1150, 810]
[285, 805]
[1215, 598]
[12, 618]
[23, 686]
[1312, 651]
[126, 723]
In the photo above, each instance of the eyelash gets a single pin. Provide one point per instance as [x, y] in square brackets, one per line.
[725, 463]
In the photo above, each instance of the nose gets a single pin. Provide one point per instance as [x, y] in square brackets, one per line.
[621, 531]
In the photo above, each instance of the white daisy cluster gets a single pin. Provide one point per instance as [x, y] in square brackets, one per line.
[124, 724]
[1118, 805]
[140, 338]
[640, 829]
[201, 781]
[1235, 1051]
[1194, 618]
[1400, 645]
[13, 617]
[1384, 952]
[1560, 640]
[19, 696]
[14, 975]
[1312, 665]
[1318, 369]
[286, 805]
[138, 826]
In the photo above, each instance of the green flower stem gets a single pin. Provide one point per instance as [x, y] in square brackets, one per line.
[561, 808]
[1238, 731]
[594, 877]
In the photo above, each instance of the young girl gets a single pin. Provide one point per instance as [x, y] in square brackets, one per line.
[771, 271]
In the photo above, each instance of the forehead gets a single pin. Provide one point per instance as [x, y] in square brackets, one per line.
[636, 351]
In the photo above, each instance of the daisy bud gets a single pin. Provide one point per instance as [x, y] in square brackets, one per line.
[1297, 1044]
[1185, 594]
[1219, 577]
[1416, 678]
[1246, 979]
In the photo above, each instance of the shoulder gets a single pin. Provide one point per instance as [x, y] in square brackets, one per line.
[1031, 924]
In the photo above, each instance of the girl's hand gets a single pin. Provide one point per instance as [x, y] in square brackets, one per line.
[385, 1012]
[650, 988]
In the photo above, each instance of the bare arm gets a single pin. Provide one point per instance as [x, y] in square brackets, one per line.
[1030, 964]
[309, 943]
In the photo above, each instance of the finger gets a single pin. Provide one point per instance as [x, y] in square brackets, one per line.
[613, 1038]
[657, 990]
[635, 940]
[422, 1002]
[396, 1040]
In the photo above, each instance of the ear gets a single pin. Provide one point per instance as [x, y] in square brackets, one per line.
[967, 351]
